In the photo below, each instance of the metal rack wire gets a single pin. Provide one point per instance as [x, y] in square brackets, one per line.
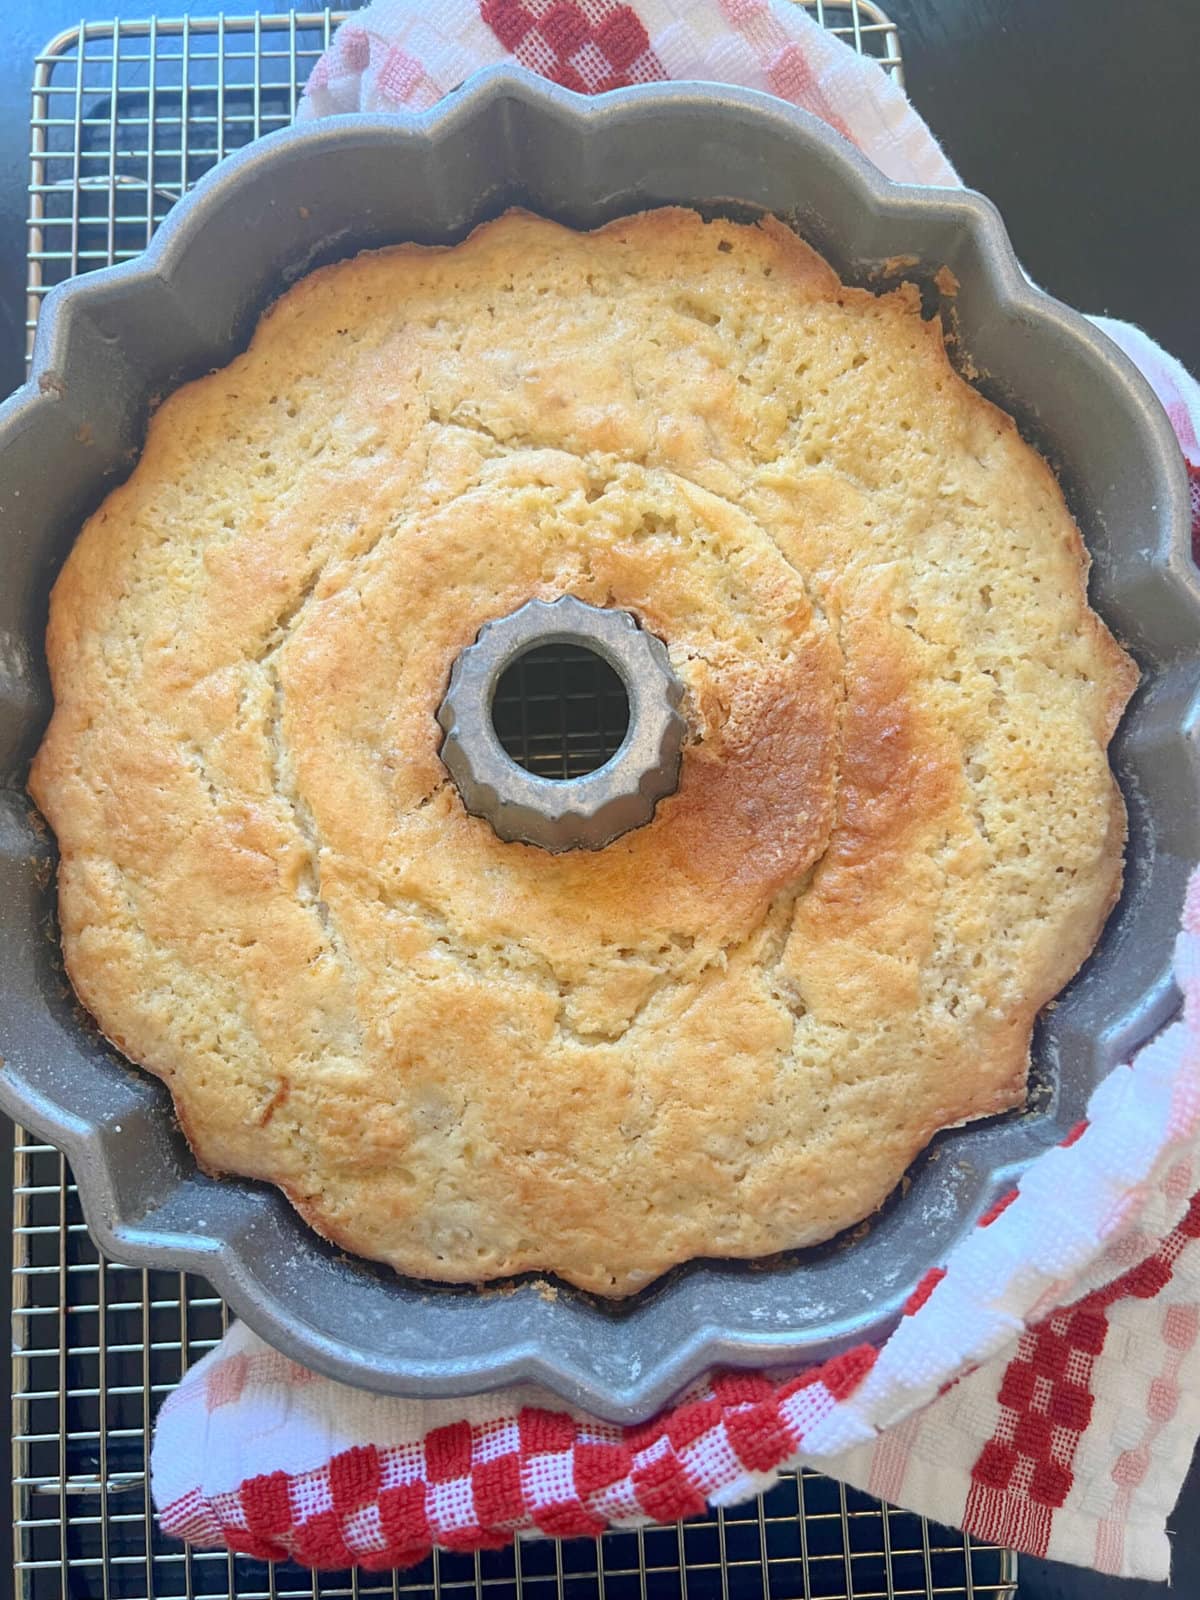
[124, 118]
[560, 711]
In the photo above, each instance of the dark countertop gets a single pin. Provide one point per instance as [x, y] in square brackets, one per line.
[1079, 118]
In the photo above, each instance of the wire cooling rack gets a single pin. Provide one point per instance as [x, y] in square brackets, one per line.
[125, 117]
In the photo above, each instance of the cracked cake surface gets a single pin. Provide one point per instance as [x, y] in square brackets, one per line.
[896, 834]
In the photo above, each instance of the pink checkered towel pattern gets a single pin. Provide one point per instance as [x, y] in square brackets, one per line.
[1043, 1387]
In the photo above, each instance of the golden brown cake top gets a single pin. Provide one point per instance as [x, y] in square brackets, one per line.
[896, 833]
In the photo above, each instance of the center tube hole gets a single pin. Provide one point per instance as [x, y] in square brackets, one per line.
[560, 711]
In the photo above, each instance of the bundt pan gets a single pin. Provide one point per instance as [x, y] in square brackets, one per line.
[113, 341]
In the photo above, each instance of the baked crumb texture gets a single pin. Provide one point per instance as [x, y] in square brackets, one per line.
[896, 834]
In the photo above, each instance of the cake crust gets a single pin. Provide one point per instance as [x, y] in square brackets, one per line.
[896, 834]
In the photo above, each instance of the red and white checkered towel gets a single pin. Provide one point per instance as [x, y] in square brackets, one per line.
[1043, 1388]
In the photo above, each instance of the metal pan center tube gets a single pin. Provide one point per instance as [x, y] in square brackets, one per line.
[587, 806]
